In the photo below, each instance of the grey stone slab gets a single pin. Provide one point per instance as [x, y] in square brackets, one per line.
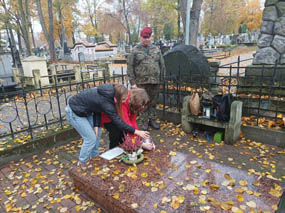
[187, 179]
[279, 27]
[279, 43]
[264, 40]
[267, 27]
[270, 14]
[266, 56]
[281, 9]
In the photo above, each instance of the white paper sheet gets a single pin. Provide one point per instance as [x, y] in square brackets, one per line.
[112, 153]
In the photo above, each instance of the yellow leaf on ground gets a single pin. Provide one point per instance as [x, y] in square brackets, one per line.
[208, 170]
[116, 196]
[134, 205]
[214, 187]
[155, 206]
[175, 203]
[63, 209]
[236, 210]
[240, 198]
[239, 190]
[144, 175]
[172, 153]
[257, 194]
[243, 182]
[7, 192]
[275, 207]
[154, 189]
[181, 198]
[251, 204]
[165, 200]
[225, 206]
[116, 172]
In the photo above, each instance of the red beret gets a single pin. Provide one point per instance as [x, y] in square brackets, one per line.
[146, 32]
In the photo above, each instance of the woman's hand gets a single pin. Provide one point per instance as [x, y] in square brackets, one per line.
[147, 146]
[96, 130]
[143, 134]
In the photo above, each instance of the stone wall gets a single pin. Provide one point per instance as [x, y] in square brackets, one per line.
[272, 38]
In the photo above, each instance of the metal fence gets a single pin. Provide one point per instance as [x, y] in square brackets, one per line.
[260, 88]
[261, 91]
[29, 110]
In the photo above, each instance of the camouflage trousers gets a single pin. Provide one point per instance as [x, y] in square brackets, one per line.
[149, 113]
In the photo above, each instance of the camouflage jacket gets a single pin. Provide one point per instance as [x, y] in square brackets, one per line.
[145, 65]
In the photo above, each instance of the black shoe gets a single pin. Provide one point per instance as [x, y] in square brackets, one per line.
[154, 125]
[145, 126]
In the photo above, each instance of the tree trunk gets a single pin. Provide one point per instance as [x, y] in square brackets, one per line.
[19, 41]
[30, 24]
[178, 21]
[25, 28]
[127, 21]
[195, 22]
[62, 33]
[73, 38]
[195, 19]
[51, 35]
[48, 35]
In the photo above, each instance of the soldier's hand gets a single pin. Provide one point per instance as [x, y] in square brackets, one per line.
[134, 86]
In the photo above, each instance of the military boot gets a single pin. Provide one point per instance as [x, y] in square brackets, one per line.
[145, 126]
[153, 124]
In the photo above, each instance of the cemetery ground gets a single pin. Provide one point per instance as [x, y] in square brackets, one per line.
[41, 183]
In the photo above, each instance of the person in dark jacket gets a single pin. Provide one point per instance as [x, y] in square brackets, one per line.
[84, 113]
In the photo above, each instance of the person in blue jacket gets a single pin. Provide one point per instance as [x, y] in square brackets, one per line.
[84, 113]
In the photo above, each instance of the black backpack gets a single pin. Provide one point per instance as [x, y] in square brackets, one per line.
[222, 104]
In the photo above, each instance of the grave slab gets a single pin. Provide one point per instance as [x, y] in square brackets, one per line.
[175, 182]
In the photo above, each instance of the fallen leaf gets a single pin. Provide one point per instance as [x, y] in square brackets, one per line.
[240, 198]
[165, 200]
[116, 196]
[144, 175]
[134, 205]
[214, 187]
[243, 182]
[251, 204]
[236, 210]
[63, 209]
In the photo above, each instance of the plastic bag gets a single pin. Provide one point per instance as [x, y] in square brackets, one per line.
[194, 104]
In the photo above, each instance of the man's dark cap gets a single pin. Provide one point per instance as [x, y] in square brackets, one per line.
[146, 32]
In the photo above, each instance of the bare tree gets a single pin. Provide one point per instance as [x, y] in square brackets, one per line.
[25, 26]
[48, 35]
[194, 20]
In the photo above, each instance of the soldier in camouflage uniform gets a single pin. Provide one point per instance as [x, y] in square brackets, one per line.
[145, 70]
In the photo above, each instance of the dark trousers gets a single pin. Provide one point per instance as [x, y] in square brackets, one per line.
[115, 135]
[149, 113]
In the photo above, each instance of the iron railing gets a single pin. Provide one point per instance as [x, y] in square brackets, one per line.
[261, 91]
[27, 110]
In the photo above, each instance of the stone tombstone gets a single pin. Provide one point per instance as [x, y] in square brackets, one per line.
[36, 63]
[81, 57]
[36, 75]
[192, 63]
[234, 39]
[272, 38]
[228, 40]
